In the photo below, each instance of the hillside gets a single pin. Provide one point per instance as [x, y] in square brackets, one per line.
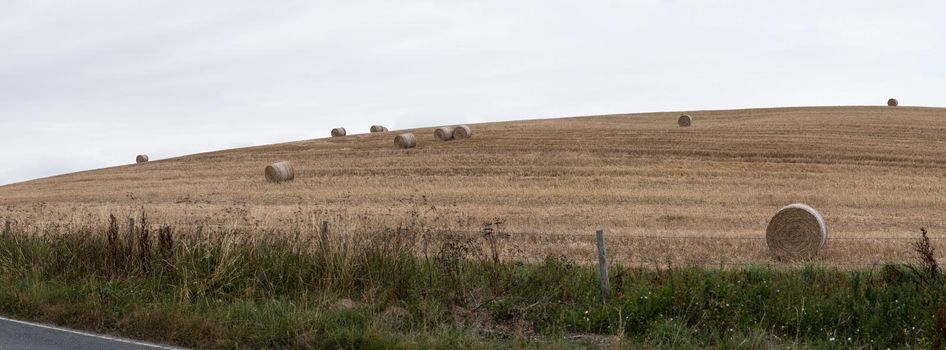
[872, 171]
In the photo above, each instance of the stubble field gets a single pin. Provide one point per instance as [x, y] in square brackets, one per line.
[663, 193]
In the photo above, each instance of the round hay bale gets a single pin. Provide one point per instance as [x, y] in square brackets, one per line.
[280, 172]
[444, 133]
[378, 128]
[796, 232]
[338, 132]
[405, 141]
[685, 120]
[345, 304]
[893, 102]
[141, 158]
[395, 314]
[462, 132]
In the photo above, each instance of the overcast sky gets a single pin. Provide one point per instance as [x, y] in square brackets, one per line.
[90, 84]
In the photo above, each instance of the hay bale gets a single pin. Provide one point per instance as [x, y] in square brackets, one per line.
[685, 120]
[338, 132]
[345, 304]
[893, 102]
[405, 140]
[462, 132]
[378, 128]
[444, 133]
[796, 232]
[141, 158]
[280, 172]
[395, 314]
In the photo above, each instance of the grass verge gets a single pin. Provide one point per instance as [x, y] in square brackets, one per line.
[395, 288]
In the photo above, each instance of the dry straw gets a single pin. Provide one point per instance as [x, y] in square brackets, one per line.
[378, 128]
[405, 141]
[141, 158]
[338, 132]
[444, 133]
[280, 172]
[684, 120]
[796, 232]
[462, 132]
[893, 102]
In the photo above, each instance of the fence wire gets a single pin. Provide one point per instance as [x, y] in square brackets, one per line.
[753, 247]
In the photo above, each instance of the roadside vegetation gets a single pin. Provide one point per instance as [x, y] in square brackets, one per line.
[412, 286]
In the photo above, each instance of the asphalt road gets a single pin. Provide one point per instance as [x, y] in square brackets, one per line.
[17, 335]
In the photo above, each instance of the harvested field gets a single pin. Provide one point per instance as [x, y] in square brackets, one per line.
[873, 172]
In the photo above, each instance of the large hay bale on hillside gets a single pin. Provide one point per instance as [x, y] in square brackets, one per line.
[338, 132]
[796, 232]
[280, 172]
[378, 128]
[685, 120]
[141, 158]
[893, 102]
[444, 133]
[405, 140]
[462, 132]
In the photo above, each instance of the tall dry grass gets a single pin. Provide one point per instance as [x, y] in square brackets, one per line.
[390, 286]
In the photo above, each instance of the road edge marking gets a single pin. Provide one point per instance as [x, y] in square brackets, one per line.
[100, 336]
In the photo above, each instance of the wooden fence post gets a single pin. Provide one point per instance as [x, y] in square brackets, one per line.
[324, 235]
[131, 236]
[603, 267]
